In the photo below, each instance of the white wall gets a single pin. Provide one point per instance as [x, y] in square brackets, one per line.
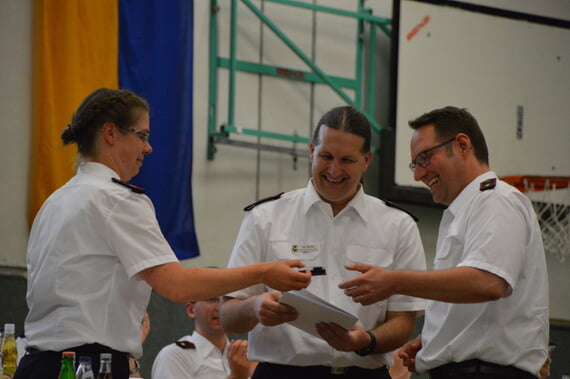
[15, 120]
[222, 187]
[522, 67]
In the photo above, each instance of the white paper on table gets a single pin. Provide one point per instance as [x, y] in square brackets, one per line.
[312, 309]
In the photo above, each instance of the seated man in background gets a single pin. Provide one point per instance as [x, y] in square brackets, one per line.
[207, 353]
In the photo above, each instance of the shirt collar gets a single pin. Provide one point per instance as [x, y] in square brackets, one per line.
[459, 204]
[311, 197]
[357, 202]
[204, 346]
[97, 169]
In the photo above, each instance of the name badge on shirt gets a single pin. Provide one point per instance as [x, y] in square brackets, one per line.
[304, 249]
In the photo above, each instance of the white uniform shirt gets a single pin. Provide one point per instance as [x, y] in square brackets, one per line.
[89, 240]
[205, 361]
[301, 226]
[494, 230]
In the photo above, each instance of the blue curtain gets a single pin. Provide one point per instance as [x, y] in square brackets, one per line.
[155, 61]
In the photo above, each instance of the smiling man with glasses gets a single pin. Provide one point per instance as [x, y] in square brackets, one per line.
[422, 159]
[487, 314]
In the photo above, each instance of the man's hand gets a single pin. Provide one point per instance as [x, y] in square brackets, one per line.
[342, 339]
[372, 286]
[281, 276]
[240, 366]
[145, 327]
[270, 312]
[408, 353]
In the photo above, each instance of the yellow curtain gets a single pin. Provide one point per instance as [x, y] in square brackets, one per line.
[76, 52]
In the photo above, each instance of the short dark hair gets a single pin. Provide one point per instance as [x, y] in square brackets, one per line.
[118, 106]
[450, 121]
[346, 119]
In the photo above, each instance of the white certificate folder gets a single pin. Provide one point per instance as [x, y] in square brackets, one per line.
[312, 310]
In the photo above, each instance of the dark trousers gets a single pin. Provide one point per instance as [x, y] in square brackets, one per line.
[477, 369]
[266, 370]
[38, 364]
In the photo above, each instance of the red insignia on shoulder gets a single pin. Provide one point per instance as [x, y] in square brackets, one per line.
[264, 200]
[488, 184]
[132, 187]
[185, 344]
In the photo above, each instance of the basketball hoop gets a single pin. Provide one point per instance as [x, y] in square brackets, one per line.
[550, 198]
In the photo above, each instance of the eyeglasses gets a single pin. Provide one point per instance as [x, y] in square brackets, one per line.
[422, 159]
[144, 136]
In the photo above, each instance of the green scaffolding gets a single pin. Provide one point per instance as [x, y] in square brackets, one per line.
[316, 75]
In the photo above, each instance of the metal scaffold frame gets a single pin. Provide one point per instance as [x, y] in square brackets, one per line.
[316, 75]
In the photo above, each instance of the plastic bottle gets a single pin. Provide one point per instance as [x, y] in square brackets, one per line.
[84, 370]
[1, 340]
[9, 351]
[67, 370]
[105, 367]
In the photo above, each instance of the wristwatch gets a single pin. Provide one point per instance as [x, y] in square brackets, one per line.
[137, 367]
[371, 348]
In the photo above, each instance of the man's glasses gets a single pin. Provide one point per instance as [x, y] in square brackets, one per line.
[422, 159]
[144, 136]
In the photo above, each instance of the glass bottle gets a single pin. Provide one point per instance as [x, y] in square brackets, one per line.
[1, 341]
[105, 367]
[9, 351]
[67, 370]
[84, 370]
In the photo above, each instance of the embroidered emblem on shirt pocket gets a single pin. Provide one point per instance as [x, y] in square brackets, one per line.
[285, 250]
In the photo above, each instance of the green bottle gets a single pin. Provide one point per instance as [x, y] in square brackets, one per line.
[67, 370]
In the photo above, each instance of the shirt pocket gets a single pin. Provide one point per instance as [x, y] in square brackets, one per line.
[370, 316]
[449, 255]
[367, 255]
[285, 250]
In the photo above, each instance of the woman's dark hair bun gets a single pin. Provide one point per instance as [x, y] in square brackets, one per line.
[68, 135]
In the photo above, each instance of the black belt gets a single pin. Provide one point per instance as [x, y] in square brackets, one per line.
[476, 366]
[272, 370]
[92, 348]
[51, 360]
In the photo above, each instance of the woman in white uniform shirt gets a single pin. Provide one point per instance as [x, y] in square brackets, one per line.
[96, 250]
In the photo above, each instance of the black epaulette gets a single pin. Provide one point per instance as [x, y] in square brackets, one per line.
[185, 345]
[392, 205]
[488, 184]
[132, 187]
[264, 200]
